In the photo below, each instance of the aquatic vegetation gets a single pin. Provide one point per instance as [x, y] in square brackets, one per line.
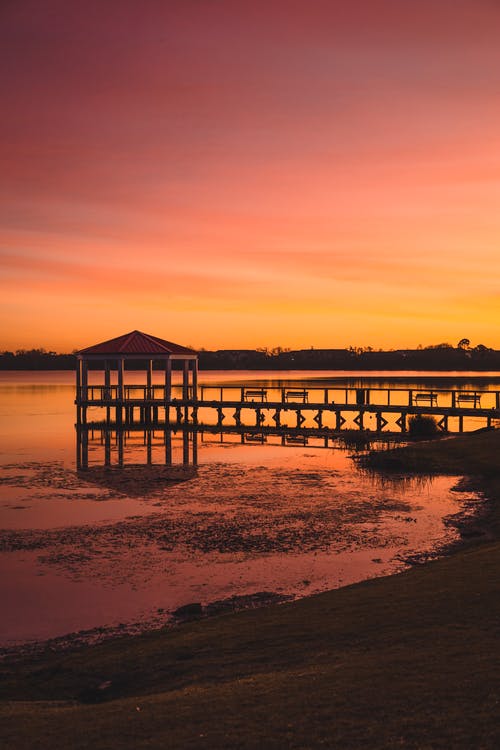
[422, 425]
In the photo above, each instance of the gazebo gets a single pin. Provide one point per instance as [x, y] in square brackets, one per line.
[137, 347]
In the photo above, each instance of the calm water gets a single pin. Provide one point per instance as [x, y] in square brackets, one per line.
[111, 548]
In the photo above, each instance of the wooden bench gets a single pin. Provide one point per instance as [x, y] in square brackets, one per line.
[296, 440]
[426, 398]
[469, 398]
[250, 437]
[252, 393]
[301, 394]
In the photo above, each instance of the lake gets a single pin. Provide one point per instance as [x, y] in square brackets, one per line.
[254, 521]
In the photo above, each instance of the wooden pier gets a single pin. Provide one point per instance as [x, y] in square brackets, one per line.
[331, 408]
[295, 411]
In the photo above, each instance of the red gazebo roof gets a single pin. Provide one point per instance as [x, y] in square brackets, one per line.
[137, 343]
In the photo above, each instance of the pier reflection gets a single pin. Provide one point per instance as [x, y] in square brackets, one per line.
[177, 445]
[120, 447]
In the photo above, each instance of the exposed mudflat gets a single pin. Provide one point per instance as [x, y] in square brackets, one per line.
[125, 548]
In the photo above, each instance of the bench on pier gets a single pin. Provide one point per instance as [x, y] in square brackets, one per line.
[469, 398]
[251, 394]
[296, 395]
[296, 440]
[251, 437]
[430, 399]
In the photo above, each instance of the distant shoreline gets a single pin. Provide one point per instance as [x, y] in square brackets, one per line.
[440, 359]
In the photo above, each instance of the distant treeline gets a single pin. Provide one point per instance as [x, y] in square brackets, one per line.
[439, 357]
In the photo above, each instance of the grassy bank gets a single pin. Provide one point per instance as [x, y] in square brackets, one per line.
[476, 453]
[407, 661]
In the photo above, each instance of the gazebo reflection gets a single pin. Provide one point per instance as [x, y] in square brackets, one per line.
[121, 447]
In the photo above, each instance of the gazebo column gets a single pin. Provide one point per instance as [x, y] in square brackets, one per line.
[185, 388]
[119, 402]
[185, 380]
[168, 388]
[195, 379]
[107, 388]
[194, 396]
[78, 391]
[148, 409]
[85, 383]
[149, 377]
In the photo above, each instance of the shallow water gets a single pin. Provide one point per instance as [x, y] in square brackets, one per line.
[113, 547]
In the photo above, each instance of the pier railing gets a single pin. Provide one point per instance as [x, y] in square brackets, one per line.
[291, 396]
[297, 406]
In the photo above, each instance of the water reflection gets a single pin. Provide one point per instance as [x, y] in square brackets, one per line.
[119, 447]
[165, 517]
[135, 480]
[122, 447]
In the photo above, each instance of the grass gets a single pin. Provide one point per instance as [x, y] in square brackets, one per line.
[476, 453]
[406, 661]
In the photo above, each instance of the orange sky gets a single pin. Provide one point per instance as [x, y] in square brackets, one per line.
[237, 174]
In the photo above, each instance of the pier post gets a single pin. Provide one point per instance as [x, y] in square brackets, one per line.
[381, 422]
[78, 447]
[318, 418]
[85, 449]
[300, 418]
[443, 423]
[195, 447]
[359, 420]
[147, 439]
[107, 448]
[120, 448]
[185, 448]
[168, 447]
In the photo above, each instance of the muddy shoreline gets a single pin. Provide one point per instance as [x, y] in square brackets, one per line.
[471, 523]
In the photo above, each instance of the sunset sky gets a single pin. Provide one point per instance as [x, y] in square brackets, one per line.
[243, 173]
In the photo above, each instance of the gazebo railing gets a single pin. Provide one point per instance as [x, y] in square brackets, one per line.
[113, 393]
